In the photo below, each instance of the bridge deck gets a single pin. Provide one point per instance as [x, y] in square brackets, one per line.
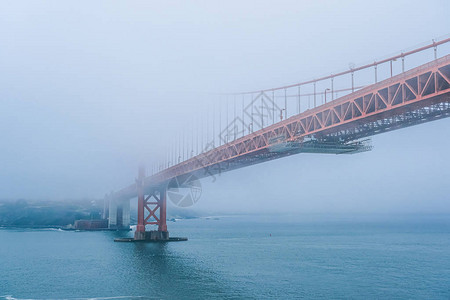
[418, 95]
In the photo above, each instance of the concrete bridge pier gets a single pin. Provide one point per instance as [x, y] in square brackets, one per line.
[119, 214]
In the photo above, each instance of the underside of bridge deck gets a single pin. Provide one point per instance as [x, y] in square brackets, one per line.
[341, 126]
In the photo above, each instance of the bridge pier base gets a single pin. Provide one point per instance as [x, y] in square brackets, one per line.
[148, 207]
[152, 210]
[152, 235]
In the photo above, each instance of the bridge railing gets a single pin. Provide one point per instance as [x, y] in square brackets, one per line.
[235, 115]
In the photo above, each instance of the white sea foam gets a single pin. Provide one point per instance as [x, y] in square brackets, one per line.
[10, 297]
[53, 229]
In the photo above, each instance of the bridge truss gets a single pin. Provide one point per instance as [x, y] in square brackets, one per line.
[340, 126]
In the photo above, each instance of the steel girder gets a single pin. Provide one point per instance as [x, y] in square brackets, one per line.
[419, 95]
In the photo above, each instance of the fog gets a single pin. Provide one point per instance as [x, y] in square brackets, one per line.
[90, 89]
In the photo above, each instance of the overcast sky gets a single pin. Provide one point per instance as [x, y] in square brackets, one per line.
[88, 89]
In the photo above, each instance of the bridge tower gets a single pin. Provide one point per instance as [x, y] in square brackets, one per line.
[152, 207]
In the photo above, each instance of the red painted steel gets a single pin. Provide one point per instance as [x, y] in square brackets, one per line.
[151, 207]
[162, 226]
[418, 95]
[353, 70]
[140, 190]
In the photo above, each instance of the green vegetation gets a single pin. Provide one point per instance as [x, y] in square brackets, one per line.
[22, 213]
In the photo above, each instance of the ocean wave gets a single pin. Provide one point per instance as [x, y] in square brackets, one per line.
[52, 229]
[10, 297]
[105, 298]
[26, 229]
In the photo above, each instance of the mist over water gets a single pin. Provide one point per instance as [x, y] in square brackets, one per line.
[91, 90]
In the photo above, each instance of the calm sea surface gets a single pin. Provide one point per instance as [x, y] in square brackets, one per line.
[238, 257]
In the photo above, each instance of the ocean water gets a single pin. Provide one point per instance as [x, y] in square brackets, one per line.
[236, 257]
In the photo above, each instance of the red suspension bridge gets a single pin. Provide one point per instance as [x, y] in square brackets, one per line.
[339, 126]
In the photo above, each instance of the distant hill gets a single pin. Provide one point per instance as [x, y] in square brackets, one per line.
[28, 213]
[23, 213]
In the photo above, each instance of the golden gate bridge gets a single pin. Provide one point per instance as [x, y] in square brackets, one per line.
[340, 125]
